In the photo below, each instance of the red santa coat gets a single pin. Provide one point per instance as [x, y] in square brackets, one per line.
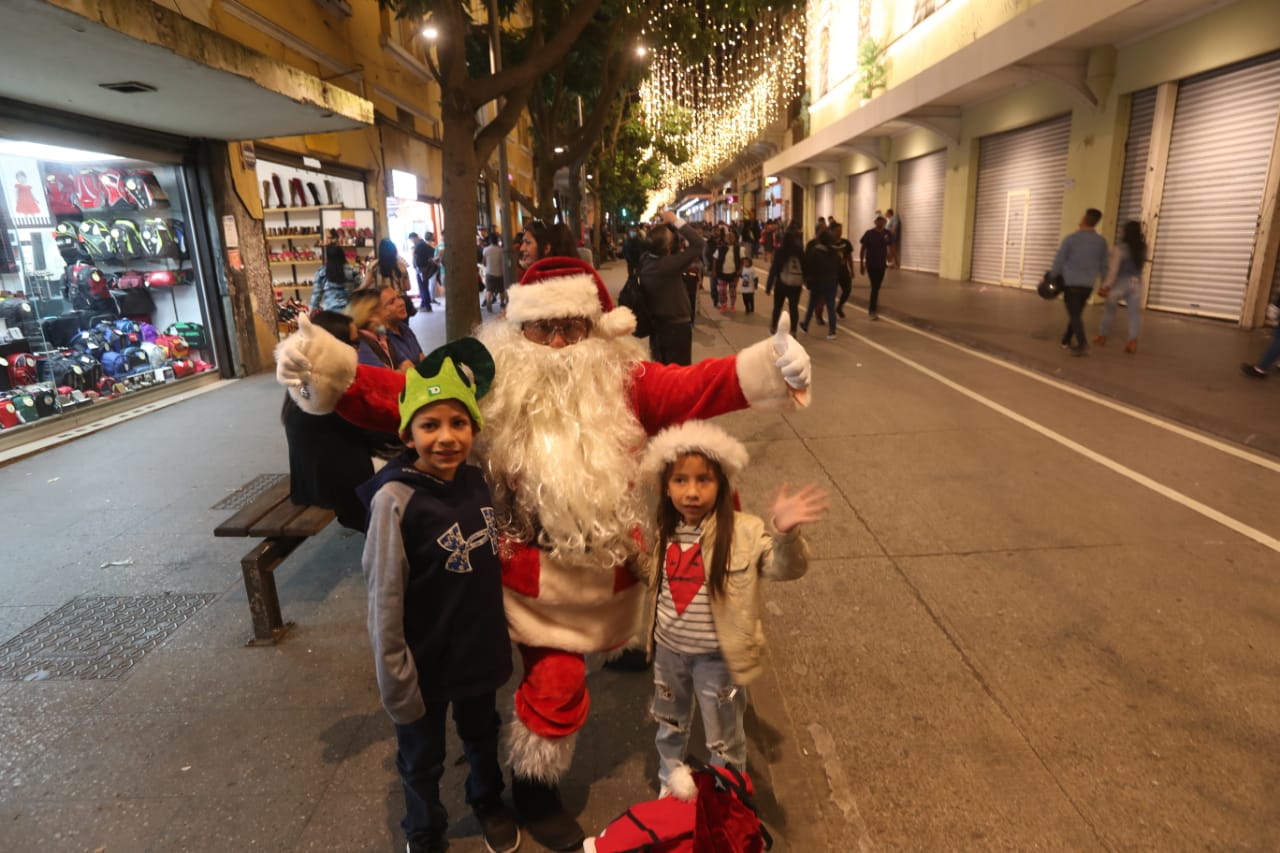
[569, 608]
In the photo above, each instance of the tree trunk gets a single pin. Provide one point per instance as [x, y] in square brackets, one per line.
[461, 173]
[575, 202]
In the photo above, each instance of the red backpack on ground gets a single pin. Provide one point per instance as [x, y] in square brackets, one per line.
[720, 818]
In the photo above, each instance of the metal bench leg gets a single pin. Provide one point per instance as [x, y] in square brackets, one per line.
[259, 567]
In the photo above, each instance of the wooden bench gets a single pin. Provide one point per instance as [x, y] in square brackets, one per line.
[283, 526]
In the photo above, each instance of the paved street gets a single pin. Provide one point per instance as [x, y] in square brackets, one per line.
[1037, 618]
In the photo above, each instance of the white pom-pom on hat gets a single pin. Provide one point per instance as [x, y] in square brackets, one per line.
[681, 783]
[555, 288]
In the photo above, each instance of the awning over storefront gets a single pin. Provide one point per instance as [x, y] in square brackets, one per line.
[73, 56]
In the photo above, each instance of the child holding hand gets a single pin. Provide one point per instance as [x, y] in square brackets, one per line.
[707, 638]
[436, 621]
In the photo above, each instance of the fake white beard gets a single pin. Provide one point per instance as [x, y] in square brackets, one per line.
[561, 445]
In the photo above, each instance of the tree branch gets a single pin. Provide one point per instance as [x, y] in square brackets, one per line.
[539, 62]
[520, 198]
[487, 139]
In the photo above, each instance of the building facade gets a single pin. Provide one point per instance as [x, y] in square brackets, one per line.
[176, 175]
[990, 127]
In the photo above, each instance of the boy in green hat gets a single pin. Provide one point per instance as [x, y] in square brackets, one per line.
[435, 597]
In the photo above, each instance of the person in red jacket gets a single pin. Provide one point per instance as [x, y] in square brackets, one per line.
[566, 422]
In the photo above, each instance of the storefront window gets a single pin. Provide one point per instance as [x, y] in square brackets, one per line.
[99, 296]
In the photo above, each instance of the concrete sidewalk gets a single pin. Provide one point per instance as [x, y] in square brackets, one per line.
[166, 734]
[1186, 368]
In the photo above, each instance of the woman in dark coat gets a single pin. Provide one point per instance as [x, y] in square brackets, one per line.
[328, 456]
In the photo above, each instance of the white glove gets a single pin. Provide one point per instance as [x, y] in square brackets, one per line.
[293, 368]
[792, 361]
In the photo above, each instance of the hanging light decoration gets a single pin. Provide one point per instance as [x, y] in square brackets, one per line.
[728, 99]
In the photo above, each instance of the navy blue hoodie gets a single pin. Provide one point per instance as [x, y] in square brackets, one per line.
[435, 588]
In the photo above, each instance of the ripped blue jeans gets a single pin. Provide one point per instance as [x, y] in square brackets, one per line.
[677, 680]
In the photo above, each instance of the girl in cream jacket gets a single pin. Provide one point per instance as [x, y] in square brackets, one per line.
[706, 637]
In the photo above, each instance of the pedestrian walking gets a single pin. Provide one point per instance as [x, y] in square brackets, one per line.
[893, 224]
[495, 283]
[728, 268]
[426, 266]
[748, 286]
[703, 603]
[710, 259]
[822, 274]
[436, 619]
[1270, 356]
[873, 260]
[1124, 281]
[1081, 258]
[845, 250]
[786, 278]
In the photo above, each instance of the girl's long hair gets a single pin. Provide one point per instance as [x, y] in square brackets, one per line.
[669, 517]
[387, 256]
[1133, 238]
[792, 243]
[335, 263]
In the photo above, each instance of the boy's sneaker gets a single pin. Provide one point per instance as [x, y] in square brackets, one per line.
[499, 827]
[437, 845]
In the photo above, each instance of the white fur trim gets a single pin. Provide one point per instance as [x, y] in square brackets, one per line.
[535, 757]
[617, 323]
[316, 367]
[693, 437]
[762, 383]
[681, 783]
[552, 298]
[589, 846]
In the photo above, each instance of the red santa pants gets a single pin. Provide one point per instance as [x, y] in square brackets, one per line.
[552, 699]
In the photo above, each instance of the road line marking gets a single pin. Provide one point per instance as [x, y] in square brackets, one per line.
[1123, 470]
[1094, 397]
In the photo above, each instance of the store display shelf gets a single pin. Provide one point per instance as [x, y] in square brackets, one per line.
[297, 263]
[309, 209]
[299, 236]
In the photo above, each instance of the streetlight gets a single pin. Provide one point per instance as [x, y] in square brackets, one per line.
[559, 149]
[430, 33]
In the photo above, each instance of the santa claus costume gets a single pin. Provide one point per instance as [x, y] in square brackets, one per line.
[566, 424]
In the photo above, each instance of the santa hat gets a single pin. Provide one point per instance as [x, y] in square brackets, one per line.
[556, 288]
[693, 437]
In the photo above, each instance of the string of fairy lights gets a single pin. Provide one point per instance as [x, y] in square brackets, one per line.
[728, 99]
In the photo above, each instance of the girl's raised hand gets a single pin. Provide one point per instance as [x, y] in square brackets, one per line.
[808, 504]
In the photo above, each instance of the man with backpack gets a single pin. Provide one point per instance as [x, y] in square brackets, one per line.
[660, 281]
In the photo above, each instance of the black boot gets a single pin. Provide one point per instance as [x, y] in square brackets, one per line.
[539, 809]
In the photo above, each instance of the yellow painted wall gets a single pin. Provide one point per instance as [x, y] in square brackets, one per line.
[913, 49]
[1242, 30]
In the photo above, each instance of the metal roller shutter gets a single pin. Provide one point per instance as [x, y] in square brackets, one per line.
[920, 187]
[824, 199]
[1018, 211]
[1137, 146]
[1223, 128]
[862, 204]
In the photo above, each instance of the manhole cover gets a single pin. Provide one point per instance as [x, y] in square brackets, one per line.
[249, 492]
[96, 637]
